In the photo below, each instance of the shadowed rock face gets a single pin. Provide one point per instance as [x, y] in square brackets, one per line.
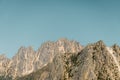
[94, 62]
[27, 60]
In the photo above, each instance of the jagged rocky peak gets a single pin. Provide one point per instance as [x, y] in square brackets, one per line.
[25, 53]
[23, 50]
[94, 62]
[98, 63]
[66, 46]
[116, 48]
[65, 60]
[62, 45]
[49, 49]
[27, 60]
[22, 62]
[3, 63]
[99, 44]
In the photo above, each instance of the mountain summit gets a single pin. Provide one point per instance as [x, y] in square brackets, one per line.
[63, 60]
[27, 60]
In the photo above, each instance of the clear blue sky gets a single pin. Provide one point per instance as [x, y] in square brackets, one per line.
[32, 22]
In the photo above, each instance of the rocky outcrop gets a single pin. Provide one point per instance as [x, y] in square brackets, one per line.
[94, 62]
[27, 60]
[3, 64]
[22, 62]
[98, 63]
[63, 60]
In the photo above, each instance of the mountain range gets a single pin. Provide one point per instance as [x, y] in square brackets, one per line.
[63, 60]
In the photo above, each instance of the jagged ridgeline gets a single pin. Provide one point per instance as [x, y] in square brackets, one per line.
[63, 60]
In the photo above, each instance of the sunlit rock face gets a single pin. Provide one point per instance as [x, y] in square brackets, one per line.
[27, 60]
[48, 50]
[94, 62]
[4, 61]
[98, 62]
[63, 60]
[22, 62]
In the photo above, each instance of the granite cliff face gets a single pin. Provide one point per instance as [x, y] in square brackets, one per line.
[94, 62]
[64, 60]
[27, 60]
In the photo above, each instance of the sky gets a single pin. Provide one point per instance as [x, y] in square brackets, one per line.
[32, 22]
